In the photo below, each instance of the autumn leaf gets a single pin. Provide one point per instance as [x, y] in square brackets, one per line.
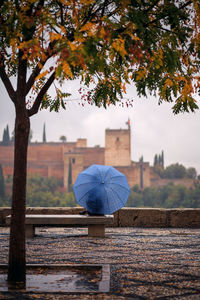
[41, 75]
[67, 69]
[119, 46]
[141, 74]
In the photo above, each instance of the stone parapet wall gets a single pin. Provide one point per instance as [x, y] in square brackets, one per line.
[129, 217]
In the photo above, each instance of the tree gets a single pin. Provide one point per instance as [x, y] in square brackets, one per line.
[44, 135]
[158, 165]
[70, 176]
[141, 172]
[106, 43]
[175, 171]
[63, 138]
[155, 160]
[2, 183]
[162, 159]
[6, 136]
[191, 173]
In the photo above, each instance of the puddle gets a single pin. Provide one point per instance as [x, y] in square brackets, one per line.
[63, 278]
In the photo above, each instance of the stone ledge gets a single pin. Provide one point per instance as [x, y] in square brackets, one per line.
[128, 216]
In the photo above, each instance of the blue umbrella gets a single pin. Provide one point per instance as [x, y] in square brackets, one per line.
[101, 189]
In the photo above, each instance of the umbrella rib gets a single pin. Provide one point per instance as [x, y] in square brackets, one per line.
[107, 173]
[118, 184]
[117, 196]
[88, 182]
[88, 174]
[99, 172]
[85, 194]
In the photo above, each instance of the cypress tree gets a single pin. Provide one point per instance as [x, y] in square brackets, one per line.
[162, 157]
[141, 173]
[44, 134]
[6, 137]
[70, 176]
[7, 134]
[2, 183]
[155, 160]
[159, 160]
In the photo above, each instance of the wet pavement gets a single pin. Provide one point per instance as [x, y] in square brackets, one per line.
[144, 263]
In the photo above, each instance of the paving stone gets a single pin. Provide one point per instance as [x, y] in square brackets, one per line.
[145, 263]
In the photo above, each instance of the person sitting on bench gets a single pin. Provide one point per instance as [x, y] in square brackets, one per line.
[94, 205]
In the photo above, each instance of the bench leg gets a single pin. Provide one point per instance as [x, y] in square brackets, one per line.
[96, 230]
[30, 231]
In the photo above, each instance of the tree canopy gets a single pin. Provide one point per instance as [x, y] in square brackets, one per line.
[154, 44]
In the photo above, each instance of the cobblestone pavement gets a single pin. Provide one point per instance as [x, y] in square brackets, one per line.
[145, 263]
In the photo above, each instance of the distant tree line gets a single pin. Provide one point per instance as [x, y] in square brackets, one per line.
[173, 171]
[48, 192]
[168, 196]
[8, 140]
[43, 192]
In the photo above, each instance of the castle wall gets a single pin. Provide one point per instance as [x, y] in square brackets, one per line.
[117, 147]
[133, 174]
[7, 159]
[44, 159]
[93, 156]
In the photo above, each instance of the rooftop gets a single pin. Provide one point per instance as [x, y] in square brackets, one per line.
[144, 263]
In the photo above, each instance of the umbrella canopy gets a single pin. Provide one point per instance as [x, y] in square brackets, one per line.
[101, 189]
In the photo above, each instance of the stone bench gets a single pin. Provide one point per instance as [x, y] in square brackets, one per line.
[96, 224]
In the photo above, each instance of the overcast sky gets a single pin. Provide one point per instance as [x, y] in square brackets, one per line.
[153, 127]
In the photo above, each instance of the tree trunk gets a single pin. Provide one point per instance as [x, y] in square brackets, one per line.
[17, 251]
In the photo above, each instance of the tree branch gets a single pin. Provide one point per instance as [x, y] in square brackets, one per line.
[7, 84]
[38, 68]
[34, 109]
[21, 79]
[33, 76]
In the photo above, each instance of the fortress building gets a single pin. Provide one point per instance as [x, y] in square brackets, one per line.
[54, 159]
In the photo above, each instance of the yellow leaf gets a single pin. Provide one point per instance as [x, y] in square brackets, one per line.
[67, 69]
[43, 56]
[72, 46]
[87, 26]
[86, 2]
[124, 88]
[55, 36]
[41, 75]
[119, 46]
[102, 32]
[168, 82]
[141, 74]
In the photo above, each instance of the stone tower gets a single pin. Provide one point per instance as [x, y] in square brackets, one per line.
[118, 146]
